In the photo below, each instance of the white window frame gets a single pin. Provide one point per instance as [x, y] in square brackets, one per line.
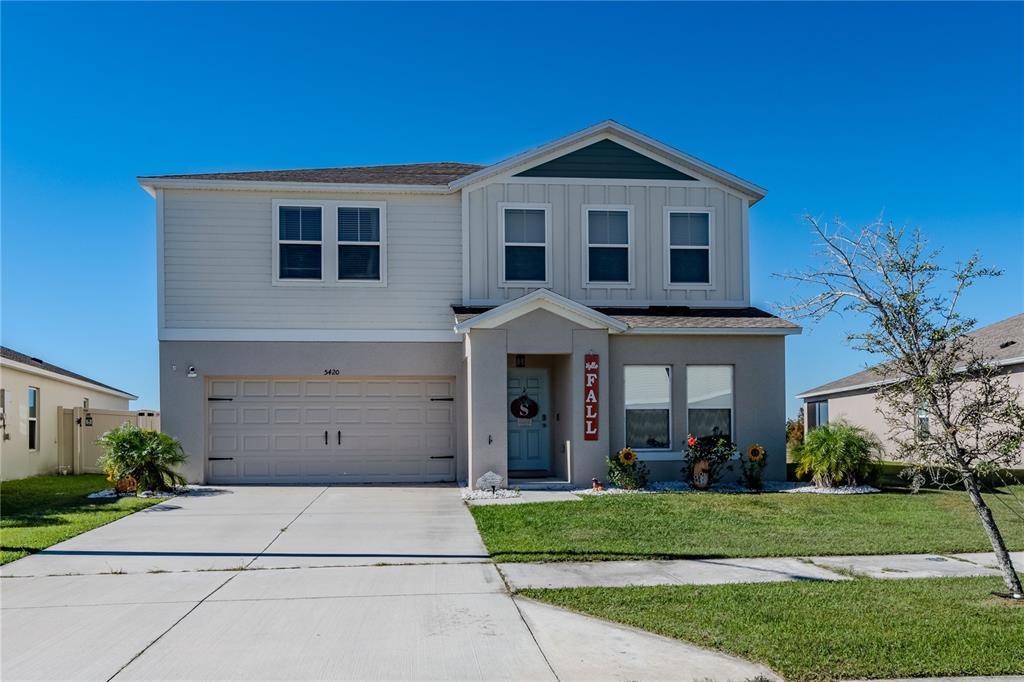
[32, 419]
[652, 454]
[328, 237]
[585, 220]
[710, 248]
[277, 205]
[503, 282]
[382, 243]
[732, 393]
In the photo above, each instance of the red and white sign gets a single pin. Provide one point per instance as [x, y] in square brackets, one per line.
[591, 392]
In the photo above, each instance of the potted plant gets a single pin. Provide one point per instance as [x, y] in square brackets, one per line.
[626, 471]
[704, 458]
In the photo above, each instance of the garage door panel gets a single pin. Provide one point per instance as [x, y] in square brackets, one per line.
[273, 430]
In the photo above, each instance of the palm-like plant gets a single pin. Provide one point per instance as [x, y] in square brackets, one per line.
[837, 454]
[145, 455]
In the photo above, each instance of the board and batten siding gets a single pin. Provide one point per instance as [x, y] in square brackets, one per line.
[731, 284]
[217, 266]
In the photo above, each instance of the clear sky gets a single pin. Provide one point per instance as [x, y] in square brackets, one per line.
[848, 110]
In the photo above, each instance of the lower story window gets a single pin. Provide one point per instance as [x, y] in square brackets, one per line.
[648, 391]
[817, 414]
[709, 401]
[33, 418]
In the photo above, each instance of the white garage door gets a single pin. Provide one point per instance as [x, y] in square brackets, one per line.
[330, 430]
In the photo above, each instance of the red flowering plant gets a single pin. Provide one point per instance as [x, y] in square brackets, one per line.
[704, 458]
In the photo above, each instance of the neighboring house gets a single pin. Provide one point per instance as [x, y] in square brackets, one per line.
[33, 394]
[433, 322]
[852, 398]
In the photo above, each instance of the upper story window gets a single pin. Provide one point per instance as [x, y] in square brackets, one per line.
[709, 400]
[303, 255]
[359, 243]
[299, 235]
[690, 237]
[607, 237]
[33, 418]
[526, 253]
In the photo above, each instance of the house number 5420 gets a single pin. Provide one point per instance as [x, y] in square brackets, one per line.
[332, 372]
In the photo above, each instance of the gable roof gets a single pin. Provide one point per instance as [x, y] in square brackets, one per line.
[540, 299]
[446, 177]
[35, 363]
[664, 319]
[1002, 341]
[622, 134]
[595, 160]
[434, 174]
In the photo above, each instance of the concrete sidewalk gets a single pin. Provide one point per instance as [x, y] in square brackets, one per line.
[724, 571]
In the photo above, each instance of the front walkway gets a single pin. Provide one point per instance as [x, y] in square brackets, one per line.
[307, 583]
[521, 576]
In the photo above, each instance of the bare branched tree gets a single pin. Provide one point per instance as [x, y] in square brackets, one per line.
[949, 408]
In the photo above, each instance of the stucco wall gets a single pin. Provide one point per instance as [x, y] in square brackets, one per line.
[183, 404]
[759, 391]
[16, 460]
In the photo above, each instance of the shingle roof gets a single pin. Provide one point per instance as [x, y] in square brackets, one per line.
[15, 356]
[1002, 341]
[404, 174]
[675, 317]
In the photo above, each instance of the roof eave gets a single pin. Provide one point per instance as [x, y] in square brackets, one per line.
[716, 331]
[151, 184]
[55, 376]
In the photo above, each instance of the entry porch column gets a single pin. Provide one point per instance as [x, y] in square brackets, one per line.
[486, 388]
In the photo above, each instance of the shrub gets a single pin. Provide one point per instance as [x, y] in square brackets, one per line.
[838, 454]
[626, 471]
[752, 467]
[715, 450]
[143, 455]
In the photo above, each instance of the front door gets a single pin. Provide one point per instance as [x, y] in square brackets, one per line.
[529, 445]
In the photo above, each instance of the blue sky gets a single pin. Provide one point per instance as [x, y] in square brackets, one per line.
[848, 110]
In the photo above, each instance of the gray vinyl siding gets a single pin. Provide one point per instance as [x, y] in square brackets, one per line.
[217, 266]
[731, 279]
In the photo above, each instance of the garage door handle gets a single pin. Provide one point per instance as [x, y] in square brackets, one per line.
[325, 438]
[339, 436]
[442, 400]
[442, 457]
[219, 459]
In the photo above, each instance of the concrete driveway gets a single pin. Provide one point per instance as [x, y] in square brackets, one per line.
[306, 583]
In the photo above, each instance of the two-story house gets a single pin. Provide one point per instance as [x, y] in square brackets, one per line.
[432, 322]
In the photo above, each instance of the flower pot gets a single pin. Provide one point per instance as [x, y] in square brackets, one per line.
[126, 485]
[700, 476]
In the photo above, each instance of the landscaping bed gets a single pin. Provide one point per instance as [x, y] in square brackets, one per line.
[684, 526]
[43, 510]
[825, 631]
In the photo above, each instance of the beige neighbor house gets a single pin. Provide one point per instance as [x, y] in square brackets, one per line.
[433, 322]
[852, 398]
[51, 417]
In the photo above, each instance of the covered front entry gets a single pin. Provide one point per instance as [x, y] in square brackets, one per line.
[526, 363]
[330, 430]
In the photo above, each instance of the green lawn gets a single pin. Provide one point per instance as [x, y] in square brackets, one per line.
[671, 526]
[44, 510]
[826, 631]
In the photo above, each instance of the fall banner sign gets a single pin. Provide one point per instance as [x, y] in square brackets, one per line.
[591, 391]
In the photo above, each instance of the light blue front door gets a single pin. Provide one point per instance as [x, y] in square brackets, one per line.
[529, 443]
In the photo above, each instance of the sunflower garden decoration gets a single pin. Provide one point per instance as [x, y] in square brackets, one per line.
[753, 463]
[704, 457]
[626, 471]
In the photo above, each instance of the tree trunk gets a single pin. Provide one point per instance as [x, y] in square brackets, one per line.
[1010, 576]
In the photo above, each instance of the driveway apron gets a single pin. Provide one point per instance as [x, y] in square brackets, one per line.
[355, 582]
